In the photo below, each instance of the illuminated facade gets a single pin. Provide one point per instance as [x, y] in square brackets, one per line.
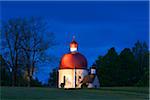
[73, 72]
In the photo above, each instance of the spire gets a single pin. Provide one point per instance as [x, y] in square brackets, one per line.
[73, 45]
[73, 38]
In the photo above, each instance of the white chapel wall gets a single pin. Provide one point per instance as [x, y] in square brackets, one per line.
[70, 78]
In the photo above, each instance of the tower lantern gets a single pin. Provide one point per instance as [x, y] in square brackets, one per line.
[73, 45]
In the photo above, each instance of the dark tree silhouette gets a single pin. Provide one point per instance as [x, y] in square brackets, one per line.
[129, 68]
[25, 42]
[107, 68]
[11, 33]
[53, 79]
[141, 54]
[5, 74]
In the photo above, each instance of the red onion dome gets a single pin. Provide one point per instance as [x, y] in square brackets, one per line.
[73, 60]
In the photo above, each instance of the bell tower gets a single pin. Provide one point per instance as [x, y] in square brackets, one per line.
[93, 69]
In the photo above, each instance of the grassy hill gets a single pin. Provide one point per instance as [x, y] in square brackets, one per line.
[104, 93]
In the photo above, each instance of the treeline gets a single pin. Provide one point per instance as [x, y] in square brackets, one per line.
[129, 68]
[24, 45]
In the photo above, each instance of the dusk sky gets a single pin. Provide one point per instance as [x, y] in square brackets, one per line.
[97, 26]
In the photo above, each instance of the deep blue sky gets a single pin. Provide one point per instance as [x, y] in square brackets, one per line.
[97, 26]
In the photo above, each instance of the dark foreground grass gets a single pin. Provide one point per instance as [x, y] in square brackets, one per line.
[104, 93]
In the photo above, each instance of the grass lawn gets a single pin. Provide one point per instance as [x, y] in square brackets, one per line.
[104, 93]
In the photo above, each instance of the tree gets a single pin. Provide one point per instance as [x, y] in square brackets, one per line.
[141, 54]
[107, 68]
[5, 73]
[127, 67]
[26, 42]
[34, 45]
[53, 79]
[140, 51]
[11, 33]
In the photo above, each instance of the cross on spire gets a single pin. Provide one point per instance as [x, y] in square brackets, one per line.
[73, 38]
